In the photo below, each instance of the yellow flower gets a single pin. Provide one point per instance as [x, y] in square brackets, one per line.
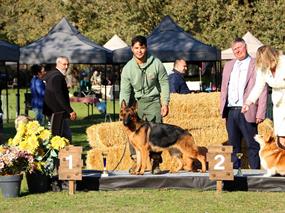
[16, 140]
[45, 134]
[2, 150]
[21, 129]
[39, 166]
[30, 144]
[33, 127]
[58, 142]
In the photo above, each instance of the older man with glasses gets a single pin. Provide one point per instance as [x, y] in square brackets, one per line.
[56, 101]
[239, 77]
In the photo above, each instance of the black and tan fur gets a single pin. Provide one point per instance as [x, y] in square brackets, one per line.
[148, 136]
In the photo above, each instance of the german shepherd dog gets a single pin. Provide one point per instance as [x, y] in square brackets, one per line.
[148, 136]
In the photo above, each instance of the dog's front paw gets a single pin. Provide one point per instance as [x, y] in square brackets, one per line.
[139, 173]
[173, 170]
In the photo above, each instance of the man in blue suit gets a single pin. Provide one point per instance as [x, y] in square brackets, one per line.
[177, 82]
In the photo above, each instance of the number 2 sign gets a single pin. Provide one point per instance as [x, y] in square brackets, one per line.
[220, 165]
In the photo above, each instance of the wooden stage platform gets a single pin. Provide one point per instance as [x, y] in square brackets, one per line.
[252, 180]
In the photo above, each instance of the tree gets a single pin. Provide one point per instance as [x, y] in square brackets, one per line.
[25, 21]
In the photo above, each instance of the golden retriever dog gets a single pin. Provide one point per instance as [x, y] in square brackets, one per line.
[271, 156]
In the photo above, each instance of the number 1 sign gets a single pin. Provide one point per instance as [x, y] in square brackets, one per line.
[70, 165]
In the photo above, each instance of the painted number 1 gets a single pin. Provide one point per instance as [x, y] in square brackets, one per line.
[69, 159]
[219, 165]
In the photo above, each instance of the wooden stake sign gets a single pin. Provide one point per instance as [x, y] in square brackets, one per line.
[220, 165]
[70, 165]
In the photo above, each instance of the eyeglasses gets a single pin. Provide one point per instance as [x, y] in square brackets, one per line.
[65, 64]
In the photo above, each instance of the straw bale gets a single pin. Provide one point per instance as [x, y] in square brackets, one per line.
[106, 134]
[95, 161]
[115, 154]
[198, 113]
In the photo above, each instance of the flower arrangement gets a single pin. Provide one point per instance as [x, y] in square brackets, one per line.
[39, 142]
[14, 161]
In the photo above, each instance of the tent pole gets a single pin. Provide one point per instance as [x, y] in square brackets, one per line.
[7, 95]
[105, 96]
[18, 90]
[114, 83]
[200, 77]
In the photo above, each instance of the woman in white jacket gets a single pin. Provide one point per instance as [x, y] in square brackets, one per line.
[270, 68]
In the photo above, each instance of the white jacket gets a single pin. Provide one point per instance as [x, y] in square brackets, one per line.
[277, 83]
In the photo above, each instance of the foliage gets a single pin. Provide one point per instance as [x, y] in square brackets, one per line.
[14, 161]
[38, 141]
[215, 22]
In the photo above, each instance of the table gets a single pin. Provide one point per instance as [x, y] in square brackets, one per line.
[88, 101]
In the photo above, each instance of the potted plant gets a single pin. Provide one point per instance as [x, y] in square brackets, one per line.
[38, 141]
[13, 162]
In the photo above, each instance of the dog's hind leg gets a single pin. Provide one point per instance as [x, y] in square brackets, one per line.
[180, 164]
[202, 160]
[188, 164]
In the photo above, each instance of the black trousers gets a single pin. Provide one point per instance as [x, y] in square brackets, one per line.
[238, 128]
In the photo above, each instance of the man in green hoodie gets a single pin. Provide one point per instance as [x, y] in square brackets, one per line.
[145, 79]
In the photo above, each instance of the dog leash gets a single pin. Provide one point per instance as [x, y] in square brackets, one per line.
[124, 152]
[279, 145]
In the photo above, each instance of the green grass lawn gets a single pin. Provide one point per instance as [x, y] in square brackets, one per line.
[145, 200]
[137, 200]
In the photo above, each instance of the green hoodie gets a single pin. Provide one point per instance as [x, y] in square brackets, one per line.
[148, 80]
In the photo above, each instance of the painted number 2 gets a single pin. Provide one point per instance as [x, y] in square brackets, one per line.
[69, 159]
[219, 165]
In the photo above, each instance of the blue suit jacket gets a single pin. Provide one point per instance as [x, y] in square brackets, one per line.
[177, 83]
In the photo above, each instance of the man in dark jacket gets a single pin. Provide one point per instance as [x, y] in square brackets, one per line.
[177, 82]
[56, 100]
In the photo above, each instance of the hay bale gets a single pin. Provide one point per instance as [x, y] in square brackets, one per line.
[106, 135]
[198, 113]
[114, 155]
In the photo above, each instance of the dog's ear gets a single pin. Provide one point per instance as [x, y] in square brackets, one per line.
[134, 106]
[123, 104]
[268, 136]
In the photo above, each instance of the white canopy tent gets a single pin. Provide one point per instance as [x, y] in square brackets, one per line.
[115, 43]
[252, 45]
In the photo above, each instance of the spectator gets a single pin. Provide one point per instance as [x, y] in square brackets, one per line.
[271, 70]
[38, 91]
[56, 100]
[177, 82]
[85, 85]
[237, 82]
